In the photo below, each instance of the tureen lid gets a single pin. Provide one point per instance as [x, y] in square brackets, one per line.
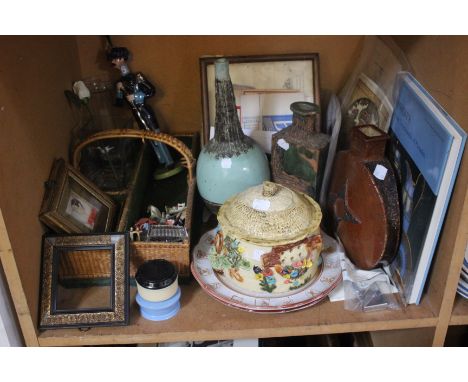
[270, 214]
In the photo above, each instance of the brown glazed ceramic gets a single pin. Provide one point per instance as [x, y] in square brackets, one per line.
[299, 152]
[363, 200]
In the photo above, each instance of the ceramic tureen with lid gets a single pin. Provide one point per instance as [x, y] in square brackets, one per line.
[268, 241]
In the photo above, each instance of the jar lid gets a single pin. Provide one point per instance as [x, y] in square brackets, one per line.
[156, 274]
[270, 214]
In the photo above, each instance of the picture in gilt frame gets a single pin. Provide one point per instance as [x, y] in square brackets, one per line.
[84, 280]
[72, 204]
[264, 88]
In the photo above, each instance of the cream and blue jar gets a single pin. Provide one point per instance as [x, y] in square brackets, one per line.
[158, 290]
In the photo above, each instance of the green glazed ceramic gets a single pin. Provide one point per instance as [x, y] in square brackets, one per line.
[220, 178]
[231, 162]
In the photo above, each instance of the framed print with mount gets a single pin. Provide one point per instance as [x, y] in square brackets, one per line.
[72, 204]
[264, 86]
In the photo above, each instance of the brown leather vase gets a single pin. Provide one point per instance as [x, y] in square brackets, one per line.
[363, 207]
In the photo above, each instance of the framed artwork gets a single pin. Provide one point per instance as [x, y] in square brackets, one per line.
[264, 87]
[72, 204]
[84, 281]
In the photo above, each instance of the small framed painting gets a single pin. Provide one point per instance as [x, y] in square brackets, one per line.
[72, 204]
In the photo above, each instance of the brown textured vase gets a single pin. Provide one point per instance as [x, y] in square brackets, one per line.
[298, 152]
[363, 200]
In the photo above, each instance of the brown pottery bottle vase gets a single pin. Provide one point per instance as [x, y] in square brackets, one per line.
[299, 152]
[363, 207]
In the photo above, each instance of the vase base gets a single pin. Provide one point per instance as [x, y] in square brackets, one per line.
[212, 207]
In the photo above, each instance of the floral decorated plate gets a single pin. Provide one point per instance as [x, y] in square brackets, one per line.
[328, 277]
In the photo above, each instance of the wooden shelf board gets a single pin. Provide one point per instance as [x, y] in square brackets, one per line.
[460, 312]
[203, 318]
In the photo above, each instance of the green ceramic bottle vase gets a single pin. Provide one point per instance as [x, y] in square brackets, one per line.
[230, 162]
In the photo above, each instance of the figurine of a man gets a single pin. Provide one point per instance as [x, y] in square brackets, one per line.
[136, 88]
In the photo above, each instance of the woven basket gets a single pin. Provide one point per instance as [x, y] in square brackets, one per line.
[177, 253]
[84, 265]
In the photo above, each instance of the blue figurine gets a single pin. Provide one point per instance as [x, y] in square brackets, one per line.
[136, 88]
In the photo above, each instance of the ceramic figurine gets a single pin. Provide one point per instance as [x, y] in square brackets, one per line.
[363, 200]
[299, 152]
[136, 88]
[230, 162]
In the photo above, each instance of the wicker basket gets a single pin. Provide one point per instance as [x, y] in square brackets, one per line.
[177, 253]
[84, 265]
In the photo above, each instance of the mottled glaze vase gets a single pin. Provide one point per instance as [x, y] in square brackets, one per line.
[299, 152]
[230, 162]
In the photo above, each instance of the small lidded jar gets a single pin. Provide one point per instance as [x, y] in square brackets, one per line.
[156, 280]
[158, 290]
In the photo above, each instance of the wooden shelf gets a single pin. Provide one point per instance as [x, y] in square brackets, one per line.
[460, 311]
[203, 318]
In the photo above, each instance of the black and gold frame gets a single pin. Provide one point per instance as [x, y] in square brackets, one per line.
[84, 281]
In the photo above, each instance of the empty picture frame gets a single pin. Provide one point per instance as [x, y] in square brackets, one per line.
[264, 87]
[72, 204]
[84, 281]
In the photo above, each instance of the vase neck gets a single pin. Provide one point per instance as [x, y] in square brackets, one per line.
[306, 123]
[229, 139]
[227, 124]
[304, 116]
[368, 141]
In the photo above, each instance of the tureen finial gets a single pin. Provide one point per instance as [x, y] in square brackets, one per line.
[269, 188]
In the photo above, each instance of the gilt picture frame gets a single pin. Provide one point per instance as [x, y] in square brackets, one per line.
[264, 87]
[84, 281]
[72, 204]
